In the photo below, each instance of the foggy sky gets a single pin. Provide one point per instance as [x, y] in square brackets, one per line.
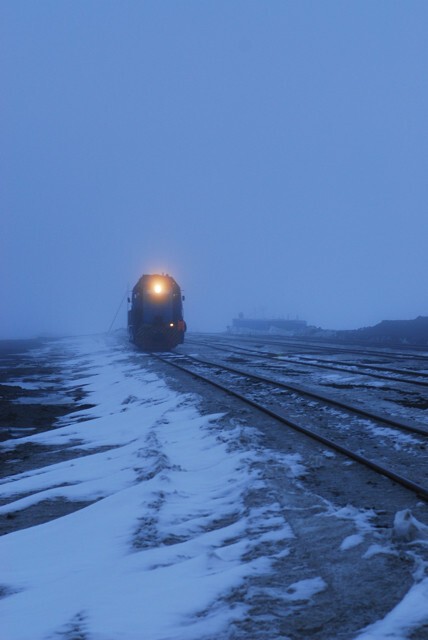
[271, 156]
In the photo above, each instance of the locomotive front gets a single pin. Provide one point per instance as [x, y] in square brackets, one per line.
[155, 319]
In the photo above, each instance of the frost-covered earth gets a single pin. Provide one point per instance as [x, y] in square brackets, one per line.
[181, 531]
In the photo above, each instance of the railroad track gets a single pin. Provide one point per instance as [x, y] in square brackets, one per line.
[362, 440]
[420, 378]
[329, 348]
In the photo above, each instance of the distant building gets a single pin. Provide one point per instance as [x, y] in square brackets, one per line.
[248, 325]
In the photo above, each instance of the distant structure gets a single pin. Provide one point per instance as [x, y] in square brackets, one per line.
[390, 332]
[251, 325]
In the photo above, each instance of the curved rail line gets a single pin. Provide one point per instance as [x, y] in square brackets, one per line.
[418, 489]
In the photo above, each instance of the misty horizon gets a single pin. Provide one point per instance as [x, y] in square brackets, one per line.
[272, 158]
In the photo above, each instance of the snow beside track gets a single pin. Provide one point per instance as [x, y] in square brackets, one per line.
[160, 550]
[169, 538]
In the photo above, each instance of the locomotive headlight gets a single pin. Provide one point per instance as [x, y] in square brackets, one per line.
[158, 288]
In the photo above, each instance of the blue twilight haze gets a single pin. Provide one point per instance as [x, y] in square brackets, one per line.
[271, 156]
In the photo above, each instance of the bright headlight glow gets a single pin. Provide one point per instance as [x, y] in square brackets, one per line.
[158, 287]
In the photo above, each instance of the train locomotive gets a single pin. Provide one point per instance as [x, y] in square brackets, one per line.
[155, 318]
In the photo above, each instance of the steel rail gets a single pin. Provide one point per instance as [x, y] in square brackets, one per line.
[329, 346]
[320, 365]
[418, 351]
[359, 365]
[420, 491]
[404, 426]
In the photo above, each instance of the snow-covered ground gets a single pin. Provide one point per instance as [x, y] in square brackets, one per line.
[167, 540]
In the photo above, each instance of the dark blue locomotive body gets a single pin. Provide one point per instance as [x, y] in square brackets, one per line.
[155, 319]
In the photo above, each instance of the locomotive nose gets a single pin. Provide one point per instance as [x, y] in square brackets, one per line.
[155, 319]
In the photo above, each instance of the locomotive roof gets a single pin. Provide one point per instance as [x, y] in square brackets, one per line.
[149, 276]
